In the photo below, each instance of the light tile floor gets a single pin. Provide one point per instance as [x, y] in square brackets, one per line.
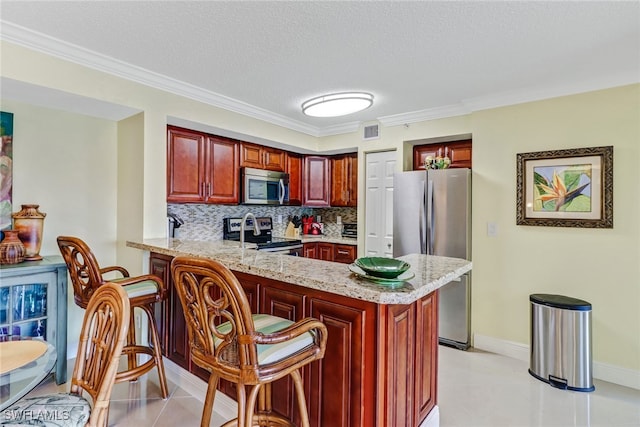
[475, 389]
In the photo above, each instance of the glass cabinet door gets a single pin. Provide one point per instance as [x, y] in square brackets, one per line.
[25, 307]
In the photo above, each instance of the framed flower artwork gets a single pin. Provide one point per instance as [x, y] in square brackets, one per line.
[566, 188]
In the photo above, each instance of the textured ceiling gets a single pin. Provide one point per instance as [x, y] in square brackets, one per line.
[426, 58]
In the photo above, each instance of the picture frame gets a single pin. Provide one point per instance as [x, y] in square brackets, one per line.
[566, 188]
[6, 170]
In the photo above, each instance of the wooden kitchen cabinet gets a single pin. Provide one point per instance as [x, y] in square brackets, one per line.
[426, 356]
[330, 252]
[325, 251]
[201, 168]
[310, 250]
[344, 180]
[294, 169]
[160, 265]
[458, 151]
[261, 157]
[316, 189]
[171, 324]
[380, 364]
[344, 253]
[341, 387]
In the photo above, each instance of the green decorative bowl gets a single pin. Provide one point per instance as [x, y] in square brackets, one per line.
[387, 268]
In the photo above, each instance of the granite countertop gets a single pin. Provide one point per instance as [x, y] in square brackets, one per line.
[431, 272]
[310, 238]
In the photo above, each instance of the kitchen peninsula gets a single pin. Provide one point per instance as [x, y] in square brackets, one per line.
[380, 367]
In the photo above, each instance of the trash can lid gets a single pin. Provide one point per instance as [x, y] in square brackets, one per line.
[560, 301]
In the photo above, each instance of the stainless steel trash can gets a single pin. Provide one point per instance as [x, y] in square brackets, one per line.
[561, 342]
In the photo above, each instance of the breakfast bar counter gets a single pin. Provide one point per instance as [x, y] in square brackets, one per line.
[431, 272]
[380, 365]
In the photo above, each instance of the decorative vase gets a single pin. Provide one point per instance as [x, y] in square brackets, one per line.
[29, 223]
[11, 248]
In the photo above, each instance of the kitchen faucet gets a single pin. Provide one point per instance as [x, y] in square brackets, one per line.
[256, 227]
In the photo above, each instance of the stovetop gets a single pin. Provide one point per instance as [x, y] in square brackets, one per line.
[231, 231]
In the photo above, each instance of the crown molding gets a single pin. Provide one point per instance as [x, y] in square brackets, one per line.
[339, 129]
[422, 115]
[60, 49]
[539, 93]
[504, 99]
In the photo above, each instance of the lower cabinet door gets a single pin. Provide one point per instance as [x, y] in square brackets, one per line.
[341, 387]
[426, 371]
[325, 251]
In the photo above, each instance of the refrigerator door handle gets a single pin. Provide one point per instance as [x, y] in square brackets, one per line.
[430, 217]
[423, 220]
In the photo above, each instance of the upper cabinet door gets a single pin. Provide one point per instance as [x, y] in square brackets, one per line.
[458, 151]
[273, 159]
[420, 152]
[294, 169]
[250, 155]
[352, 180]
[201, 168]
[223, 170]
[316, 190]
[344, 180]
[261, 157]
[185, 166]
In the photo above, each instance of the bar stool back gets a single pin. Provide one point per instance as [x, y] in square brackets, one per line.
[143, 291]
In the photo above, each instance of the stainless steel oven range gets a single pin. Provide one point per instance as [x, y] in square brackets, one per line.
[264, 241]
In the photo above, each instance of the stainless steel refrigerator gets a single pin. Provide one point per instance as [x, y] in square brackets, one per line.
[432, 215]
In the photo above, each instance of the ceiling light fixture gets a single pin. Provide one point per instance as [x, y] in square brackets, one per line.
[337, 104]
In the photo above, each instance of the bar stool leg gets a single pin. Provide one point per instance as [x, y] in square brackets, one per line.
[157, 350]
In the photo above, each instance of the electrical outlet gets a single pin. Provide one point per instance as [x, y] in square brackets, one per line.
[138, 321]
[339, 219]
[279, 220]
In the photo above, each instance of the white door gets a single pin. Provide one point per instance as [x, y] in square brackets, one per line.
[379, 168]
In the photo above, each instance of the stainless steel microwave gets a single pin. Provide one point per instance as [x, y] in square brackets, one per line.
[263, 187]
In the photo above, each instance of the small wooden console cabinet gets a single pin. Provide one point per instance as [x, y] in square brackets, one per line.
[33, 303]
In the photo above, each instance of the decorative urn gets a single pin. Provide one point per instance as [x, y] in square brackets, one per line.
[29, 222]
[11, 248]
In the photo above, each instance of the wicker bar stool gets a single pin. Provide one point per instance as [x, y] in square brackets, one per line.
[143, 291]
[102, 337]
[250, 350]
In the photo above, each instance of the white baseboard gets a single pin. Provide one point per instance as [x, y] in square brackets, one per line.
[511, 349]
[602, 371]
[223, 405]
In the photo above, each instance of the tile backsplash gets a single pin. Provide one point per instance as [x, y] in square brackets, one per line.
[204, 222]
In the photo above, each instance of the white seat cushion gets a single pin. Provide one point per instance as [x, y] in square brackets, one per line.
[146, 287]
[271, 353]
[54, 410]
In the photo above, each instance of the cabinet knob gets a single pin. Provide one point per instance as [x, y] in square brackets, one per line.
[389, 245]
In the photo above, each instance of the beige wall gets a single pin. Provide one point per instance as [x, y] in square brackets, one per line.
[600, 266]
[67, 164]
